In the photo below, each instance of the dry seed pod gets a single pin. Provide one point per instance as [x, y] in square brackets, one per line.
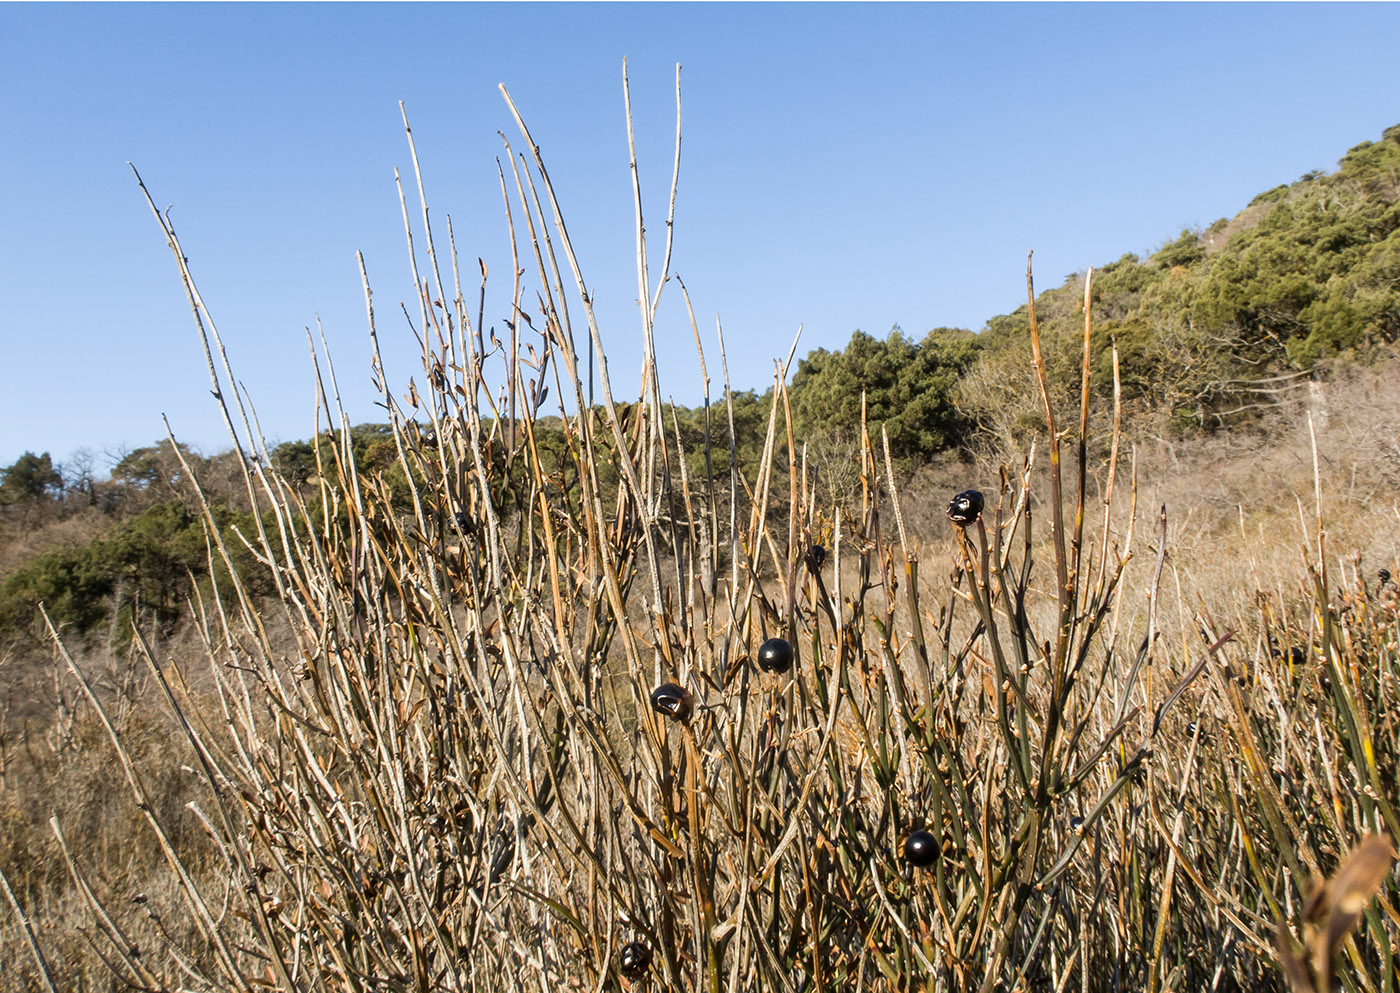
[775, 655]
[965, 508]
[634, 959]
[921, 849]
[673, 701]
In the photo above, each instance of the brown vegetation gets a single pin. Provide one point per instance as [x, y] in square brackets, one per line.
[1138, 706]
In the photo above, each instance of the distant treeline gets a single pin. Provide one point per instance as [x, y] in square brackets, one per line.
[1212, 328]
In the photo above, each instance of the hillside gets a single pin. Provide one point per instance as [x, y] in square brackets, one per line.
[1212, 330]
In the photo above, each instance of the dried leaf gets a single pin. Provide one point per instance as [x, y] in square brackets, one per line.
[1332, 911]
[1348, 892]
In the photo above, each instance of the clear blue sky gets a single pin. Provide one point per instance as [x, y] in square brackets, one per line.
[843, 167]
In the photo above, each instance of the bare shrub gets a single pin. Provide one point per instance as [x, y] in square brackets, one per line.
[998, 759]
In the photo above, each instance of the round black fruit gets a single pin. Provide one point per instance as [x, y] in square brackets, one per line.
[921, 848]
[775, 655]
[673, 701]
[965, 508]
[634, 959]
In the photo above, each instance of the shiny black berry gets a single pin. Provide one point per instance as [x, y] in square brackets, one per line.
[674, 701]
[775, 655]
[634, 959]
[965, 508]
[814, 558]
[921, 849]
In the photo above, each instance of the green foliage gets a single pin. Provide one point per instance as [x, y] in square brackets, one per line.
[908, 389]
[143, 567]
[1315, 272]
[295, 461]
[1309, 272]
[152, 556]
[155, 467]
[371, 448]
[72, 584]
[750, 412]
[32, 479]
[1186, 250]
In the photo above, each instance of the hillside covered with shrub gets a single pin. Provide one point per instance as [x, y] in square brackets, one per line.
[730, 698]
[1210, 330]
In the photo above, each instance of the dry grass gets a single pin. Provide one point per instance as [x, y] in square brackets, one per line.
[432, 764]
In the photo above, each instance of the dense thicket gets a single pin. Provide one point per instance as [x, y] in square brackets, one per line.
[100, 555]
[908, 387]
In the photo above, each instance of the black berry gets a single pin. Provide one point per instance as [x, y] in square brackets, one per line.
[921, 849]
[775, 655]
[634, 959]
[673, 701]
[965, 508]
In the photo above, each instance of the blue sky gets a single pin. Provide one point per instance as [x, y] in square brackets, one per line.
[843, 167]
